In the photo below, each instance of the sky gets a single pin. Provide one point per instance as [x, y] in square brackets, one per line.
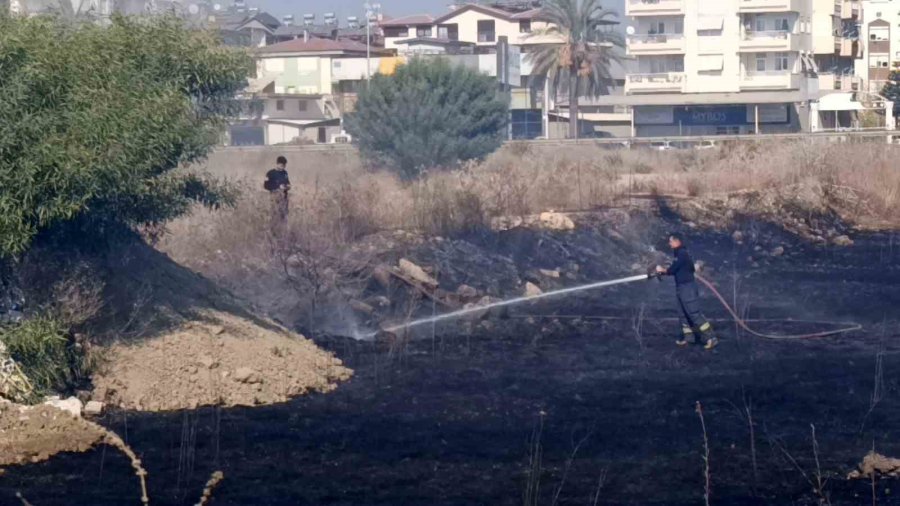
[344, 8]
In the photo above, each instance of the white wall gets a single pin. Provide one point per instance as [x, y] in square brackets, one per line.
[703, 42]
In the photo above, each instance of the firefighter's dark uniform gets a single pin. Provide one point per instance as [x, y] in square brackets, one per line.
[688, 294]
[276, 183]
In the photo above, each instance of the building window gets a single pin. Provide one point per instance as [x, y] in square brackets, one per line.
[396, 31]
[526, 123]
[301, 105]
[760, 24]
[782, 25]
[423, 31]
[879, 61]
[525, 26]
[761, 63]
[658, 27]
[666, 65]
[486, 31]
[448, 32]
[781, 61]
[879, 34]
[279, 105]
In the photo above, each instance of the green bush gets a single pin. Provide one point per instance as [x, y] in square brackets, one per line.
[43, 351]
[429, 114]
[891, 90]
[94, 120]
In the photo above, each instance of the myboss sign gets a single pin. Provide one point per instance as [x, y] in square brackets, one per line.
[711, 115]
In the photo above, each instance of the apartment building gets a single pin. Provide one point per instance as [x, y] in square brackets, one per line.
[880, 31]
[708, 67]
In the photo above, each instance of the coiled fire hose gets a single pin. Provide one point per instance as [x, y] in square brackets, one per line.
[741, 323]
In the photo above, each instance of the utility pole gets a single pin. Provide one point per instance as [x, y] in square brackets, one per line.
[372, 11]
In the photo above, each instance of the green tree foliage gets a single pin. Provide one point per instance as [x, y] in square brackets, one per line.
[581, 63]
[891, 91]
[429, 114]
[94, 120]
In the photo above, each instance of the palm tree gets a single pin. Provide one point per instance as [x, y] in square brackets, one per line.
[583, 58]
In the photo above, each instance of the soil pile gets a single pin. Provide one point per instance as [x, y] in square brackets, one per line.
[171, 339]
[34, 434]
[233, 362]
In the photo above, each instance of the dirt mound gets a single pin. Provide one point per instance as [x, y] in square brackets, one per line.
[232, 363]
[34, 434]
[167, 338]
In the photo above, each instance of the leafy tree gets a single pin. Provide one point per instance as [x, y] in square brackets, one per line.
[582, 62]
[429, 114]
[891, 90]
[95, 120]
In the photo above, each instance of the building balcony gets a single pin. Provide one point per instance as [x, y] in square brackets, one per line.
[839, 82]
[773, 80]
[661, 43]
[654, 7]
[850, 48]
[851, 9]
[750, 6]
[667, 82]
[755, 42]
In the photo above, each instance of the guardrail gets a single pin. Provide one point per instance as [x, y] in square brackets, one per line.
[619, 141]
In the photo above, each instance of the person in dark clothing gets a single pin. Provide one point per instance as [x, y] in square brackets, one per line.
[278, 184]
[688, 295]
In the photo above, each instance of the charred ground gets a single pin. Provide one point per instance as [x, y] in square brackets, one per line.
[594, 411]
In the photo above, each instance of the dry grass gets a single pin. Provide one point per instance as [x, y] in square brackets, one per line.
[860, 181]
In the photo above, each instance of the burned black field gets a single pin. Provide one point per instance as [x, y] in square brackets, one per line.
[584, 400]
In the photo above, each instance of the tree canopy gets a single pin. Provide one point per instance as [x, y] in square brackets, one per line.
[891, 91]
[581, 63]
[429, 114]
[94, 121]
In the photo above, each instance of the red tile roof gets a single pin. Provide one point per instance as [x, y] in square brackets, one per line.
[415, 19]
[317, 45]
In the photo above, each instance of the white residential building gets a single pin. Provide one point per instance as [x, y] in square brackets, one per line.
[738, 66]
[880, 32]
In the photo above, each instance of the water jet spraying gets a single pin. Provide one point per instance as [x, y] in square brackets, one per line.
[509, 302]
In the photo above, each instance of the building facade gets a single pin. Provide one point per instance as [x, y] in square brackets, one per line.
[880, 31]
[706, 67]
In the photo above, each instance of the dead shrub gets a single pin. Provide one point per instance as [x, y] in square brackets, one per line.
[642, 168]
[694, 187]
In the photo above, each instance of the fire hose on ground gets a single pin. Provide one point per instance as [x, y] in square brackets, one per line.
[741, 322]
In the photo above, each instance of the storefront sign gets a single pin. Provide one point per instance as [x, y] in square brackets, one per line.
[711, 115]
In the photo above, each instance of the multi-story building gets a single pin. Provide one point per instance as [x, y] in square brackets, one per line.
[302, 88]
[738, 66]
[880, 31]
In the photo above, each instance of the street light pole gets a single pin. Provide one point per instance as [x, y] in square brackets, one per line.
[371, 13]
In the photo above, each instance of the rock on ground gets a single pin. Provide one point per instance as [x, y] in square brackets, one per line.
[556, 221]
[417, 273]
[842, 240]
[233, 362]
[532, 290]
[71, 405]
[877, 464]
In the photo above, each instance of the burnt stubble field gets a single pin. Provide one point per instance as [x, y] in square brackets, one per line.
[542, 407]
